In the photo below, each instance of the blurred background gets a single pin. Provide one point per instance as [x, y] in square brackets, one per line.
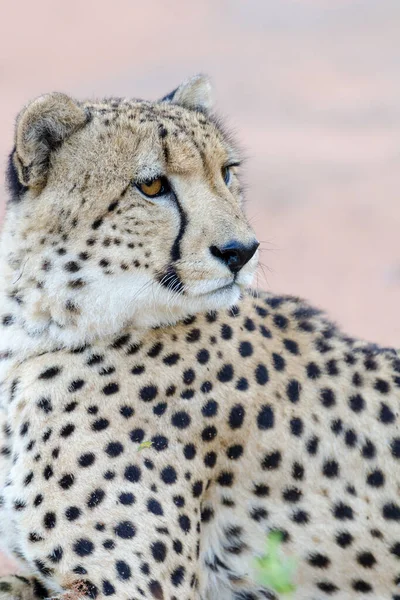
[312, 89]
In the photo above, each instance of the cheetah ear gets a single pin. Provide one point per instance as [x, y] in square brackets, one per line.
[41, 128]
[195, 93]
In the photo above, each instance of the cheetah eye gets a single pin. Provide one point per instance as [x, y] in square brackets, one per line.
[154, 187]
[226, 174]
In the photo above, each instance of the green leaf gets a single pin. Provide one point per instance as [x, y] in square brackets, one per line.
[272, 569]
[144, 445]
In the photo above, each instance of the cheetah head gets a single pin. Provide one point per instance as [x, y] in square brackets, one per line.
[124, 212]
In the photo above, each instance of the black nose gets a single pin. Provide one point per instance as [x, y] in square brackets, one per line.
[234, 254]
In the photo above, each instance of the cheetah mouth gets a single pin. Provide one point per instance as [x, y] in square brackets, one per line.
[217, 290]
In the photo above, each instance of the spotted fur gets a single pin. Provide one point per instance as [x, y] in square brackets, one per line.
[157, 419]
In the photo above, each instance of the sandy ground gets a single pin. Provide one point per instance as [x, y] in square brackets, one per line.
[312, 89]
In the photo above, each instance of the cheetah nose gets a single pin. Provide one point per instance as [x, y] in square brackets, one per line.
[234, 254]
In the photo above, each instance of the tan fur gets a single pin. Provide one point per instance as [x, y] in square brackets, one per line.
[260, 415]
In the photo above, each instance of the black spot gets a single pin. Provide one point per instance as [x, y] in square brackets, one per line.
[121, 341]
[225, 374]
[368, 450]
[234, 452]
[210, 459]
[83, 547]
[72, 266]
[114, 449]
[66, 481]
[261, 490]
[209, 433]
[318, 560]
[236, 416]
[132, 473]
[97, 223]
[249, 324]
[344, 539]
[293, 390]
[154, 507]
[110, 388]
[291, 346]
[184, 523]
[86, 460]
[296, 426]
[100, 424]
[265, 417]
[123, 570]
[395, 549]
[178, 576]
[95, 498]
[126, 498]
[210, 409]
[366, 559]
[245, 349]
[395, 447]
[382, 386]
[56, 555]
[327, 397]
[297, 471]
[391, 511]
[72, 513]
[330, 469]
[203, 356]
[125, 530]
[45, 405]
[181, 420]
[226, 332]
[193, 335]
[350, 438]
[386, 415]
[357, 403]
[148, 393]
[7, 320]
[189, 451]
[313, 370]
[155, 350]
[168, 475]
[327, 587]
[337, 426]
[67, 430]
[50, 373]
[292, 494]
[159, 443]
[342, 511]
[271, 461]
[126, 411]
[300, 517]
[376, 478]
[171, 359]
[312, 445]
[159, 551]
[359, 585]
[280, 321]
[261, 374]
[279, 362]
[108, 588]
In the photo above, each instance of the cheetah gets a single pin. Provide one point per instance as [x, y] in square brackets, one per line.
[159, 417]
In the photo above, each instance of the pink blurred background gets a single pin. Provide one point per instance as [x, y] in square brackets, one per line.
[312, 89]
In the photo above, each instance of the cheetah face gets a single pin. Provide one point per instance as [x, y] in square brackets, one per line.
[126, 211]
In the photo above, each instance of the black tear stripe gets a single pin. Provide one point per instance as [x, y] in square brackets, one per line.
[176, 246]
[171, 280]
